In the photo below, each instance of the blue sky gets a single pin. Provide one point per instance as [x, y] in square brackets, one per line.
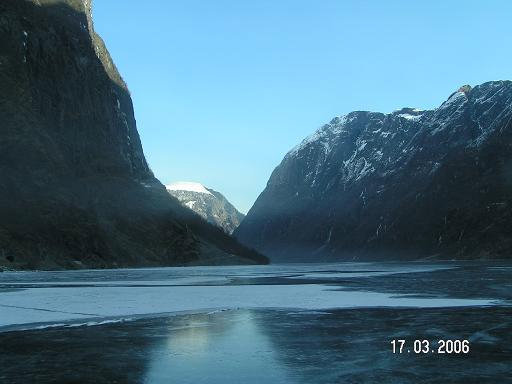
[223, 89]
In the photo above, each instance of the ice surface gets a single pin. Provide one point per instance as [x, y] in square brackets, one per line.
[191, 280]
[32, 299]
[265, 346]
[43, 305]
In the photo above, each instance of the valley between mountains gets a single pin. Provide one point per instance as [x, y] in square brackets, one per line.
[77, 191]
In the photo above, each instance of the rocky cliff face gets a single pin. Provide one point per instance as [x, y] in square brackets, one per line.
[211, 205]
[76, 190]
[404, 185]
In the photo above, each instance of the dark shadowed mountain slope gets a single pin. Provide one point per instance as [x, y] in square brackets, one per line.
[404, 185]
[75, 189]
[207, 203]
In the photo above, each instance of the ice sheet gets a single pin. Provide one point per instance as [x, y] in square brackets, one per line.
[46, 305]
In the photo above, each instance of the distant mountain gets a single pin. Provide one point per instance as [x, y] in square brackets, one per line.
[404, 185]
[76, 190]
[207, 203]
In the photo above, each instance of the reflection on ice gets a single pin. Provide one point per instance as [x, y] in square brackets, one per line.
[265, 346]
[227, 347]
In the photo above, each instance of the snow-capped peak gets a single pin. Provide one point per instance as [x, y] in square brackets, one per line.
[187, 186]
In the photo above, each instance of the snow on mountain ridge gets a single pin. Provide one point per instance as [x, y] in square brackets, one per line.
[387, 184]
[187, 186]
[322, 134]
[329, 132]
[408, 116]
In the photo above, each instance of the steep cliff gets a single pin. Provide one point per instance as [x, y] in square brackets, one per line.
[76, 190]
[403, 185]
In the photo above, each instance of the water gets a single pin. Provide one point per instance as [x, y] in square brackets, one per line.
[328, 323]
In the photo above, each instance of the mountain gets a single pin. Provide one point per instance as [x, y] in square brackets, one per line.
[207, 203]
[76, 189]
[406, 185]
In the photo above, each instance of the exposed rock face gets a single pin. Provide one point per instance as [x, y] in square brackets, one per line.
[404, 185]
[76, 190]
[207, 203]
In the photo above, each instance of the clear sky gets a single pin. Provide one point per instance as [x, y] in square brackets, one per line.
[223, 89]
